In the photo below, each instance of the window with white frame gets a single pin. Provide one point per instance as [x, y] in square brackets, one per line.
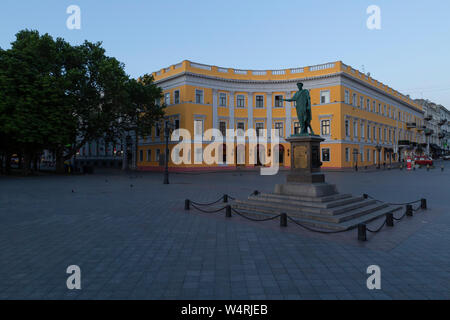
[361, 102]
[279, 127]
[385, 111]
[347, 97]
[259, 101]
[325, 96]
[368, 155]
[347, 128]
[354, 100]
[355, 129]
[362, 130]
[259, 126]
[325, 127]
[325, 154]
[347, 154]
[222, 99]
[223, 128]
[198, 96]
[278, 101]
[167, 98]
[240, 101]
[157, 130]
[374, 104]
[198, 128]
[176, 96]
[240, 128]
[368, 104]
[297, 127]
[368, 131]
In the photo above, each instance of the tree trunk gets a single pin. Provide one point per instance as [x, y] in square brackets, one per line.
[59, 163]
[136, 140]
[8, 163]
[26, 170]
[124, 154]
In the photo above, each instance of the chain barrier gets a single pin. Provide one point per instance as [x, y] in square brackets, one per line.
[314, 230]
[207, 211]
[253, 219]
[209, 204]
[381, 227]
[399, 219]
[392, 204]
[362, 228]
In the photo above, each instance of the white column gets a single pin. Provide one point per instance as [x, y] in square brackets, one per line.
[215, 122]
[250, 110]
[231, 111]
[287, 111]
[269, 113]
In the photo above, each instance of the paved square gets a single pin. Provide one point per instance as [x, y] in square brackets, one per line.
[132, 239]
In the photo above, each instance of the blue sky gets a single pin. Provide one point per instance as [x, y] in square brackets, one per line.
[410, 53]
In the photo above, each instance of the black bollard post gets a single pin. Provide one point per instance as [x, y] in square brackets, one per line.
[390, 219]
[423, 204]
[283, 220]
[228, 211]
[409, 211]
[362, 232]
[225, 198]
[187, 204]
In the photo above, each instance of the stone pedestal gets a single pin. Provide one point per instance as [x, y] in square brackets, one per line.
[305, 178]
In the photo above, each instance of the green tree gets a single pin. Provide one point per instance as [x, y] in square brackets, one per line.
[57, 96]
[141, 111]
[34, 108]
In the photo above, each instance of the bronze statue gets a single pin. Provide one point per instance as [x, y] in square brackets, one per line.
[303, 106]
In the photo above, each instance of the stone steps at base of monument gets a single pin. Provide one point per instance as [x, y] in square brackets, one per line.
[347, 215]
[331, 202]
[337, 196]
[305, 207]
[330, 226]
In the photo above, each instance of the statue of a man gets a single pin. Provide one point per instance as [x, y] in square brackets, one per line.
[303, 106]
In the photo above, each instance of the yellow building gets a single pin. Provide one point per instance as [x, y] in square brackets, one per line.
[363, 121]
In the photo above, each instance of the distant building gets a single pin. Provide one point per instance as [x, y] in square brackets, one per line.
[363, 121]
[437, 122]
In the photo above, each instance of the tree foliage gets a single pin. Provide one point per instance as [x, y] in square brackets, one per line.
[57, 96]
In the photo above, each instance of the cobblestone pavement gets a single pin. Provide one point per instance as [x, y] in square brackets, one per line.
[132, 240]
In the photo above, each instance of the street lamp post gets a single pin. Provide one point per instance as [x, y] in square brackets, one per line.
[167, 129]
[355, 157]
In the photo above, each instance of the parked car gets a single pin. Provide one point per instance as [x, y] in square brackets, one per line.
[423, 161]
[447, 157]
